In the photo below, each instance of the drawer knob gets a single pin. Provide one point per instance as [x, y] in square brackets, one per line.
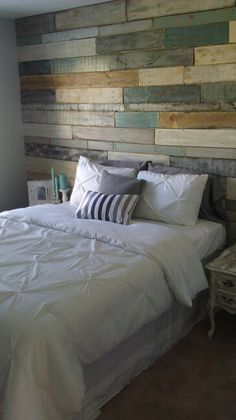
[228, 283]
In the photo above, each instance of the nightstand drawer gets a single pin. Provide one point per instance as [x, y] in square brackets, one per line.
[226, 299]
[226, 282]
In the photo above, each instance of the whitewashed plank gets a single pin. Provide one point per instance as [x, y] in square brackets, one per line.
[80, 144]
[231, 188]
[80, 64]
[43, 166]
[100, 145]
[224, 138]
[125, 28]
[216, 54]
[210, 73]
[126, 135]
[138, 156]
[172, 107]
[70, 35]
[102, 119]
[89, 95]
[48, 130]
[232, 31]
[76, 48]
[161, 76]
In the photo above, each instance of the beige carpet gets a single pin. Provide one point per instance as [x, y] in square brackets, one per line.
[196, 380]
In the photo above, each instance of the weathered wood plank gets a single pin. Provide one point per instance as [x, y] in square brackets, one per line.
[153, 58]
[164, 160]
[161, 76]
[151, 8]
[190, 36]
[128, 135]
[151, 149]
[80, 144]
[231, 205]
[216, 54]
[35, 67]
[125, 28]
[178, 93]
[224, 138]
[198, 120]
[102, 119]
[137, 119]
[80, 64]
[210, 74]
[63, 153]
[211, 152]
[150, 107]
[89, 95]
[22, 41]
[96, 15]
[48, 130]
[34, 25]
[35, 96]
[221, 167]
[76, 48]
[43, 166]
[73, 107]
[70, 35]
[129, 42]
[231, 188]
[100, 145]
[232, 31]
[120, 78]
[197, 18]
[218, 92]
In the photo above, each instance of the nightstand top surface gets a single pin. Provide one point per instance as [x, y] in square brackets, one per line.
[225, 263]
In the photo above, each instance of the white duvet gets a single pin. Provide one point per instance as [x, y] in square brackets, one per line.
[70, 291]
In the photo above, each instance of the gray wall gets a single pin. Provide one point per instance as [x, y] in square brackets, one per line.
[13, 192]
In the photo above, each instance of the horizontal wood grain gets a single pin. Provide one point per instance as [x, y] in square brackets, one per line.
[218, 92]
[34, 25]
[161, 76]
[70, 35]
[155, 94]
[137, 119]
[125, 28]
[89, 95]
[99, 14]
[102, 119]
[80, 144]
[224, 138]
[62, 153]
[231, 188]
[35, 67]
[210, 73]
[48, 130]
[165, 106]
[100, 145]
[223, 167]
[232, 31]
[43, 165]
[211, 152]
[164, 160]
[72, 107]
[149, 149]
[23, 40]
[198, 120]
[128, 135]
[80, 64]
[216, 54]
[190, 36]
[33, 96]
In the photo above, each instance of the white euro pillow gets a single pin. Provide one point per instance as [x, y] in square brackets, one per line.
[88, 176]
[171, 198]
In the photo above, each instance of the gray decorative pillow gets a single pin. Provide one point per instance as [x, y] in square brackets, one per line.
[108, 207]
[118, 184]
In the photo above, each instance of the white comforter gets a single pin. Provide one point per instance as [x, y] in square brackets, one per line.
[70, 291]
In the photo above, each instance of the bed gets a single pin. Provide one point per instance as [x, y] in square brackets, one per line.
[87, 304]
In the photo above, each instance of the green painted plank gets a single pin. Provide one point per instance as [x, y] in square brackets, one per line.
[22, 41]
[130, 42]
[197, 18]
[154, 58]
[137, 119]
[221, 167]
[218, 92]
[34, 25]
[178, 93]
[190, 36]
[141, 148]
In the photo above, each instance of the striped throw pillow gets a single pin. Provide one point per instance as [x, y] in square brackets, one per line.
[111, 207]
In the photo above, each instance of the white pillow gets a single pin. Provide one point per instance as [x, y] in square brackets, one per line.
[88, 175]
[171, 198]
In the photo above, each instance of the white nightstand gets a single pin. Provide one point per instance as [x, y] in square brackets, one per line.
[222, 284]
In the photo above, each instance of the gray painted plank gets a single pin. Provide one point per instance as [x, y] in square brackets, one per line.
[69, 35]
[130, 42]
[38, 96]
[141, 148]
[82, 118]
[34, 67]
[62, 153]
[40, 106]
[149, 59]
[221, 167]
[218, 92]
[80, 64]
[22, 41]
[125, 28]
[137, 119]
[212, 34]
[178, 93]
[34, 25]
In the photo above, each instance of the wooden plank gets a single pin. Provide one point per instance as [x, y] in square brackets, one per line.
[197, 18]
[231, 232]
[62, 153]
[129, 42]
[198, 120]
[161, 76]
[221, 167]
[232, 31]
[80, 64]
[100, 145]
[96, 15]
[211, 152]
[35, 96]
[43, 166]
[73, 107]
[178, 93]
[28, 40]
[151, 8]
[224, 138]
[137, 119]
[231, 215]
[80, 144]
[190, 36]
[120, 78]
[70, 35]
[153, 58]
[48, 130]
[231, 205]
[128, 135]
[125, 28]
[152, 149]
[89, 95]
[43, 140]
[231, 188]
[34, 25]
[150, 107]
[164, 160]
[102, 119]
[218, 92]
[35, 67]
[76, 48]
[216, 54]
[210, 73]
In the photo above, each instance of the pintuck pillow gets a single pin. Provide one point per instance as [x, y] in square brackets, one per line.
[171, 198]
[88, 175]
[114, 208]
[118, 184]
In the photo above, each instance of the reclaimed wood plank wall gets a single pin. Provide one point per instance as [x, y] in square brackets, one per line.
[152, 79]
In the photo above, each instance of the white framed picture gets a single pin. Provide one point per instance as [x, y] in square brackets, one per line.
[39, 192]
